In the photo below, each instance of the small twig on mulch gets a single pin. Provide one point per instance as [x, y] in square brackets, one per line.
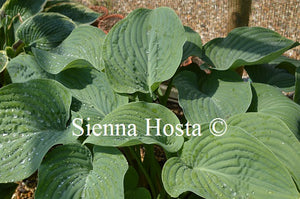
[106, 21]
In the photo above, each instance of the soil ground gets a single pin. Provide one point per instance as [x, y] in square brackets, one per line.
[209, 17]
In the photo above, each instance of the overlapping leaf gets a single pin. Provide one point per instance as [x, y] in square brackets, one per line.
[286, 62]
[193, 45]
[33, 118]
[24, 67]
[246, 46]
[235, 165]
[218, 95]
[45, 30]
[297, 86]
[135, 114]
[90, 87]
[143, 50]
[75, 11]
[293, 66]
[70, 171]
[26, 8]
[93, 96]
[270, 100]
[84, 42]
[275, 135]
[270, 74]
[53, 2]
[3, 60]
[131, 186]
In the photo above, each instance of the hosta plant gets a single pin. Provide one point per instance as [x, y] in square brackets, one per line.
[87, 111]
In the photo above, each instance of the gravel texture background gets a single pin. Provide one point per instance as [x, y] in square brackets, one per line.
[209, 17]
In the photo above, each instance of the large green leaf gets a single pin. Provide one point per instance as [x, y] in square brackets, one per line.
[297, 86]
[17, 11]
[24, 67]
[26, 8]
[270, 74]
[193, 45]
[286, 63]
[131, 186]
[270, 100]
[143, 50]
[45, 30]
[77, 12]
[218, 95]
[84, 42]
[137, 129]
[33, 118]
[94, 97]
[293, 66]
[275, 135]
[246, 46]
[71, 171]
[235, 165]
[3, 60]
[53, 2]
[90, 87]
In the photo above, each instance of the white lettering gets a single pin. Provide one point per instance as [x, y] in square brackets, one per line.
[153, 127]
[166, 127]
[132, 127]
[97, 127]
[179, 129]
[196, 128]
[78, 127]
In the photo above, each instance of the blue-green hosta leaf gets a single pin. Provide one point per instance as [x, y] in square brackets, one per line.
[193, 44]
[235, 165]
[297, 86]
[218, 95]
[53, 2]
[139, 192]
[24, 67]
[89, 86]
[45, 30]
[130, 186]
[286, 63]
[131, 179]
[77, 12]
[246, 46]
[33, 118]
[83, 43]
[275, 135]
[133, 116]
[270, 74]
[3, 60]
[26, 8]
[70, 171]
[270, 100]
[293, 66]
[143, 50]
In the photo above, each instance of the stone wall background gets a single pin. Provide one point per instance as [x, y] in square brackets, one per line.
[209, 17]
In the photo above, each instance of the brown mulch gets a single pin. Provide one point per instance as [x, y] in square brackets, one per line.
[26, 188]
[106, 21]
